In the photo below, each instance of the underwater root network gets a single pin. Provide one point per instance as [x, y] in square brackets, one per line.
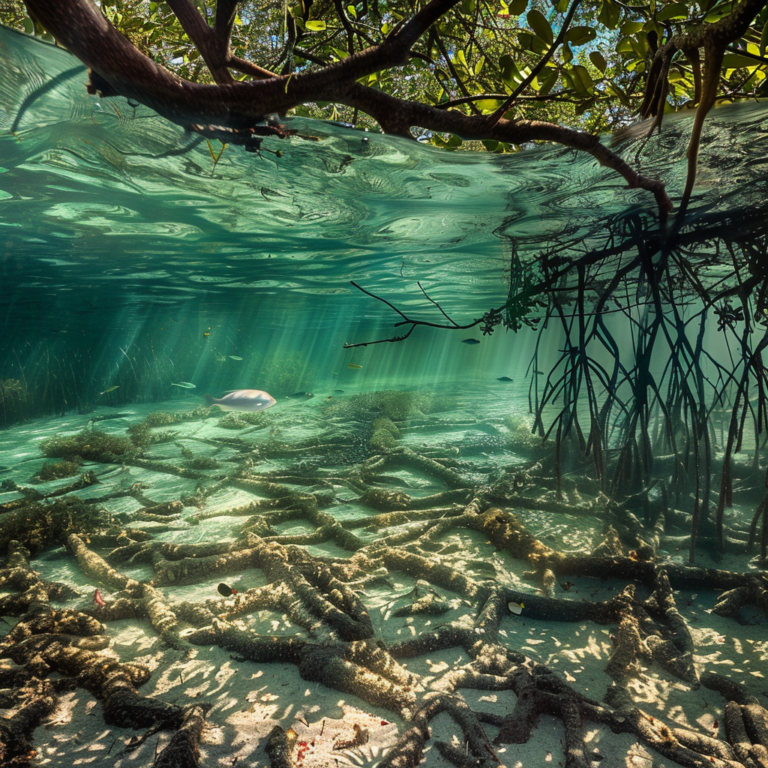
[60, 641]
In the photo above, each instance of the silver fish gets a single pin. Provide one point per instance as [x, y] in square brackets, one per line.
[184, 385]
[250, 400]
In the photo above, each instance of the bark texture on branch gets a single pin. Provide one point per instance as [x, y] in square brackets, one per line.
[237, 110]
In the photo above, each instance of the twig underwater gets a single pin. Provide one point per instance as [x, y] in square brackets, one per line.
[452, 325]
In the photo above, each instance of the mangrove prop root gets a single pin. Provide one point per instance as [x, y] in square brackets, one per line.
[278, 749]
[336, 643]
[111, 682]
[372, 679]
[18, 575]
[409, 750]
[662, 738]
[630, 646]
[182, 751]
[154, 605]
[746, 751]
[16, 732]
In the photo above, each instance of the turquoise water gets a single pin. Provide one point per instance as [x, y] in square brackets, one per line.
[124, 245]
[135, 257]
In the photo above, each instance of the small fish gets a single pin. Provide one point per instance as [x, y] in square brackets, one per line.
[539, 373]
[250, 400]
[354, 365]
[296, 395]
[470, 341]
[110, 389]
[184, 385]
[225, 590]
[504, 378]
[566, 585]
[98, 599]
[235, 357]
[206, 334]
[516, 608]
[340, 391]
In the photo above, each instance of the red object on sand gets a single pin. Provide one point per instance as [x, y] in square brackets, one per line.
[98, 599]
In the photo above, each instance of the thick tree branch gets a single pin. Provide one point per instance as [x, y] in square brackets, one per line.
[239, 107]
[80, 26]
[205, 39]
[226, 11]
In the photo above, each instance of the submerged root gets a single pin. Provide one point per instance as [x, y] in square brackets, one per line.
[16, 731]
[182, 751]
[316, 597]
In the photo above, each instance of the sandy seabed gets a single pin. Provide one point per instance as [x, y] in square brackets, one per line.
[334, 728]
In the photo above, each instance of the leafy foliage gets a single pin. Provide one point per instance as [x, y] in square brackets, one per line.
[597, 62]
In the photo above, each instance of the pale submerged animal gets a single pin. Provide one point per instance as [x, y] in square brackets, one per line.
[250, 400]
